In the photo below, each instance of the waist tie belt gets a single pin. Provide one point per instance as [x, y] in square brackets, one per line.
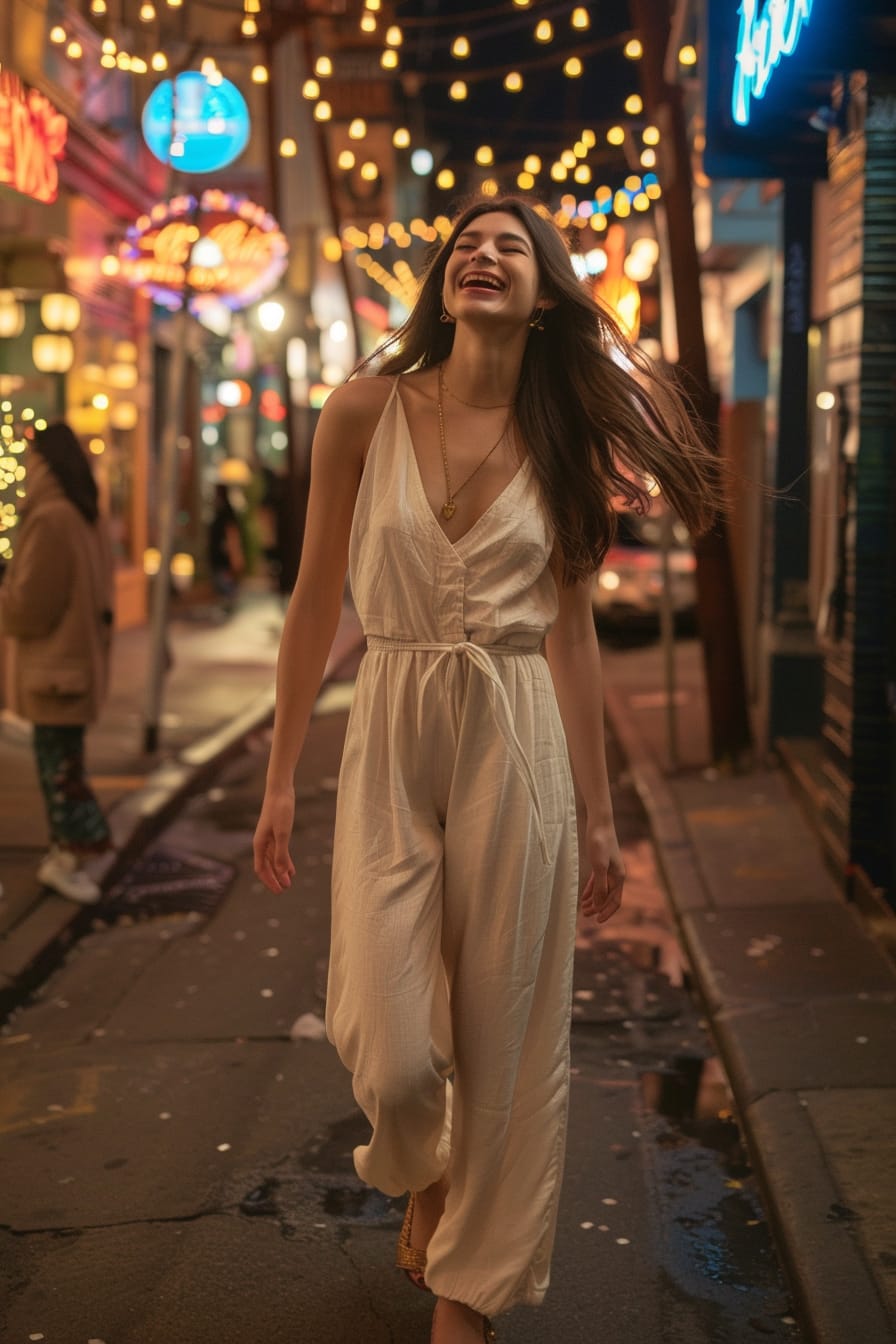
[481, 657]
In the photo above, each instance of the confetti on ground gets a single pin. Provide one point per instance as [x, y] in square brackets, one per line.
[602, 1227]
[271, 952]
[36, 1336]
[734, 1185]
[164, 1115]
[622, 1241]
[267, 993]
[608, 1201]
[586, 1226]
[223, 1147]
[308, 1027]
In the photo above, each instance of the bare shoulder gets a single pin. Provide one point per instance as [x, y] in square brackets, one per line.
[357, 405]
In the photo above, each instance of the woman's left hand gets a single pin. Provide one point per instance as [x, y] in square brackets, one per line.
[602, 895]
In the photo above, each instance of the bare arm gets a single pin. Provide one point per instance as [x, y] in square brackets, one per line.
[313, 612]
[574, 660]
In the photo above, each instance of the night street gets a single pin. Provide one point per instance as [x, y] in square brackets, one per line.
[177, 1136]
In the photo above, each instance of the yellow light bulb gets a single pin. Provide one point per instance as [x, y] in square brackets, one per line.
[74, 50]
[572, 67]
[369, 171]
[633, 104]
[58, 35]
[322, 110]
[402, 138]
[159, 61]
[368, 23]
[513, 81]
[147, 12]
[346, 160]
[489, 187]
[525, 181]
[633, 49]
[582, 173]
[248, 27]
[259, 74]
[568, 159]
[323, 67]
[394, 36]
[532, 163]
[311, 89]
[687, 55]
[579, 17]
[632, 182]
[648, 158]
[485, 156]
[445, 179]
[641, 201]
[650, 135]
[331, 248]
[615, 135]
[357, 129]
[458, 91]
[288, 148]
[558, 172]
[544, 31]
[460, 48]
[389, 59]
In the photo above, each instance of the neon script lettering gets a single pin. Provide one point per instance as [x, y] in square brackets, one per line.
[762, 40]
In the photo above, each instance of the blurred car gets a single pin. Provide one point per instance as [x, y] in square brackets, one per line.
[628, 587]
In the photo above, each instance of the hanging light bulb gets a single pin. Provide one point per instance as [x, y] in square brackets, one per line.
[634, 104]
[513, 81]
[402, 138]
[445, 179]
[322, 110]
[58, 35]
[525, 181]
[159, 61]
[357, 129]
[12, 314]
[259, 74]
[98, 7]
[615, 135]
[485, 156]
[323, 67]
[74, 50]
[460, 48]
[458, 91]
[368, 23]
[572, 67]
[389, 59]
[346, 160]
[579, 18]
[288, 148]
[311, 89]
[633, 49]
[650, 135]
[147, 12]
[394, 36]
[369, 171]
[687, 55]
[544, 31]
[52, 353]
[532, 163]
[248, 27]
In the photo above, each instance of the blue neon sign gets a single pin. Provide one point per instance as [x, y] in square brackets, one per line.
[762, 40]
[201, 128]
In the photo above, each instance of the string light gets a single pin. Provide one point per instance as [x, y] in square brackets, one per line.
[513, 81]
[357, 129]
[346, 160]
[368, 23]
[572, 67]
[460, 48]
[369, 171]
[544, 31]
[485, 156]
[147, 12]
[58, 35]
[525, 181]
[74, 50]
[159, 61]
[322, 110]
[288, 148]
[445, 179]
[489, 187]
[458, 91]
[311, 89]
[633, 49]
[558, 172]
[589, 139]
[579, 18]
[615, 135]
[648, 158]
[389, 59]
[248, 27]
[401, 138]
[568, 159]
[532, 163]
[259, 74]
[98, 7]
[634, 104]
[687, 55]
[323, 67]
[394, 36]
[650, 135]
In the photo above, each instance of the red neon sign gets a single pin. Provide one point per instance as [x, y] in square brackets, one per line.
[32, 138]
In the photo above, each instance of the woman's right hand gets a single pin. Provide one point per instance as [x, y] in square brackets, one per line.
[273, 863]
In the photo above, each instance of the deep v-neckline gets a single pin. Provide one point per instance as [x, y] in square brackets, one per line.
[424, 498]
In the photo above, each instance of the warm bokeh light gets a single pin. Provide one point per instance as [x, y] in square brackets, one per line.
[401, 139]
[369, 171]
[259, 74]
[311, 89]
[634, 104]
[357, 129]
[445, 179]
[485, 156]
[579, 18]
[532, 163]
[615, 135]
[648, 158]
[288, 148]
[458, 91]
[633, 49]
[525, 181]
[346, 160]
[650, 135]
[460, 48]
[513, 81]
[544, 31]
[687, 55]
[389, 59]
[322, 111]
[572, 67]
[323, 67]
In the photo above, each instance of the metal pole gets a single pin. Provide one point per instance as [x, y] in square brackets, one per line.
[667, 637]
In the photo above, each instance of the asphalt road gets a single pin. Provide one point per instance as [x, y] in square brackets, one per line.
[175, 1136]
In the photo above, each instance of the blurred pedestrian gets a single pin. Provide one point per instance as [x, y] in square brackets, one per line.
[226, 556]
[469, 487]
[56, 605]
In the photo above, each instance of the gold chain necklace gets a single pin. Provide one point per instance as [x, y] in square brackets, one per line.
[501, 406]
[449, 506]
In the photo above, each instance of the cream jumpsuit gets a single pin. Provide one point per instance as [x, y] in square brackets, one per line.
[455, 874]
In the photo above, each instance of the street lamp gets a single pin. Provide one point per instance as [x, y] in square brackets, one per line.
[270, 315]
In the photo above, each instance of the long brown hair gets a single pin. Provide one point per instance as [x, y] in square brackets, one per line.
[599, 419]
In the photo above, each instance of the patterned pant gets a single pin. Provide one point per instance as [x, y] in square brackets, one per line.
[75, 818]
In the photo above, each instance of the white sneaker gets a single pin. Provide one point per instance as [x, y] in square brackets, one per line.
[61, 872]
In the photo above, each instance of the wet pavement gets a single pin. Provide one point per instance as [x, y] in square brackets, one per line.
[181, 1135]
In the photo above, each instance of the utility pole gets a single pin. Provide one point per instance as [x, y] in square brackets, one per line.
[717, 607]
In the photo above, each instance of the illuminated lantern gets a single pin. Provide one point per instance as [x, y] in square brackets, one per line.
[60, 312]
[122, 376]
[12, 314]
[52, 353]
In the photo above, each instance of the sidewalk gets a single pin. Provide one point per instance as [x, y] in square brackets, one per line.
[219, 690]
[801, 999]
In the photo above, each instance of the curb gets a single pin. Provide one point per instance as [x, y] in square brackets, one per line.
[831, 1279]
[55, 924]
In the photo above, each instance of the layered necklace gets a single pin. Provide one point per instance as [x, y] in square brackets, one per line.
[448, 508]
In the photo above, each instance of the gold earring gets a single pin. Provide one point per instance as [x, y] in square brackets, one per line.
[445, 315]
[536, 319]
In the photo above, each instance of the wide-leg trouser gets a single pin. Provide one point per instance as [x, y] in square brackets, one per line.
[451, 960]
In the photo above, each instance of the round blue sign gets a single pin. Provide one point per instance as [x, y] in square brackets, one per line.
[201, 128]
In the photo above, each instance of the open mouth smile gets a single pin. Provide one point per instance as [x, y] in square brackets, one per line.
[482, 280]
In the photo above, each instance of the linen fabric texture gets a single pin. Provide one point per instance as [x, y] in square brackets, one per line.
[455, 874]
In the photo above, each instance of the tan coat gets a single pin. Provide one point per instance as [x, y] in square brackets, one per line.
[56, 605]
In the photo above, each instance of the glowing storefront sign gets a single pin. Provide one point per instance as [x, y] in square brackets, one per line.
[32, 139]
[199, 125]
[222, 248]
[763, 38]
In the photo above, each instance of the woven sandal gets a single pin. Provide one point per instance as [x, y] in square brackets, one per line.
[407, 1257]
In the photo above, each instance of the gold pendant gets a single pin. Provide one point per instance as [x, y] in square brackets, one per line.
[448, 508]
